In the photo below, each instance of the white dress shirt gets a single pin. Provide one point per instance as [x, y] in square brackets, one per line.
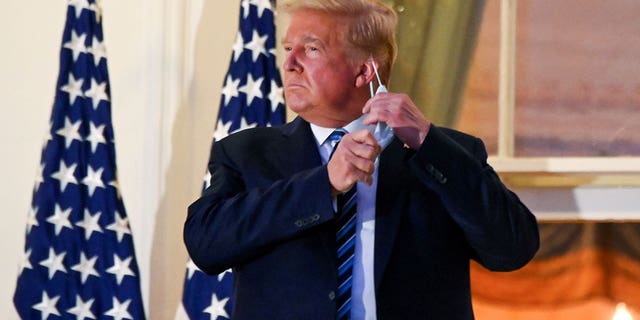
[363, 297]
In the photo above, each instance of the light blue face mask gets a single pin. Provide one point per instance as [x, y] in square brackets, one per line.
[381, 131]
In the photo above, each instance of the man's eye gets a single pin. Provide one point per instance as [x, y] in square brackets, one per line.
[288, 49]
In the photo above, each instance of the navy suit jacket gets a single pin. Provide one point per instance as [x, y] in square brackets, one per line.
[268, 214]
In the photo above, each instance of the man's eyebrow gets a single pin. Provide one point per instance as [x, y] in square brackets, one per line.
[306, 39]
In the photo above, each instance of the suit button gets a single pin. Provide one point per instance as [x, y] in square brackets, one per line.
[430, 168]
[299, 223]
[440, 177]
[332, 295]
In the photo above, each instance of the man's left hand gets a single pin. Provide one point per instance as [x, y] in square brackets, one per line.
[400, 113]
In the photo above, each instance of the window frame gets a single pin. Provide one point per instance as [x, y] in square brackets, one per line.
[545, 172]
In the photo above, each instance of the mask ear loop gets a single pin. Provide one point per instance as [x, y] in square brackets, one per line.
[381, 87]
[381, 131]
[375, 69]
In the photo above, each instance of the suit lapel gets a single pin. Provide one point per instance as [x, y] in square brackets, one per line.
[296, 150]
[389, 204]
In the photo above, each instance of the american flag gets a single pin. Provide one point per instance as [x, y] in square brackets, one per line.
[79, 261]
[252, 96]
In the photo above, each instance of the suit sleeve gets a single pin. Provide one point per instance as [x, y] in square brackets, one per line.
[232, 223]
[499, 228]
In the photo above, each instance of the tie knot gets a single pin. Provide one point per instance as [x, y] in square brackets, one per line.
[336, 135]
[333, 140]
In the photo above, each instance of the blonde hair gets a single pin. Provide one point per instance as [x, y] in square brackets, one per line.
[371, 31]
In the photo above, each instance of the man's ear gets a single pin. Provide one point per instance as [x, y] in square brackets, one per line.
[365, 74]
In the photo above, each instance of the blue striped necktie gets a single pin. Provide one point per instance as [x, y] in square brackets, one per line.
[345, 240]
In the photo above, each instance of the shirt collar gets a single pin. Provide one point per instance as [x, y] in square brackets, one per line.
[321, 133]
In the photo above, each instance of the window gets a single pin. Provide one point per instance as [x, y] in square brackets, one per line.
[568, 102]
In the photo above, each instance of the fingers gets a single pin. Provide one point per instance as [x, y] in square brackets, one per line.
[365, 145]
[388, 108]
[400, 113]
[358, 152]
[378, 108]
[353, 160]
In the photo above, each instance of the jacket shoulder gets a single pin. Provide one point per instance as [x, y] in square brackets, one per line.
[467, 141]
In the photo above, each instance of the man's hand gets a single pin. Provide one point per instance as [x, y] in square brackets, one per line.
[400, 113]
[353, 161]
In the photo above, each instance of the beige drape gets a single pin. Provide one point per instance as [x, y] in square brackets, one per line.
[436, 39]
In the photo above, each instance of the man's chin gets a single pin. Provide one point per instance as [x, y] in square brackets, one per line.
[296, 106]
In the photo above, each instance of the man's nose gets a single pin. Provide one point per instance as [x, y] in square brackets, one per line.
[291, 62]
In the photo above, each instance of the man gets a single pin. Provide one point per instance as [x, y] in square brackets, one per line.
[424, 206]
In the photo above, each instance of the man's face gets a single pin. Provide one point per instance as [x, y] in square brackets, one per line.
[319, 77]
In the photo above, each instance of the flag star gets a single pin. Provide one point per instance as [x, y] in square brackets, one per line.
[86, 267]
[257, 45]
[120, 226]
[222, 130]
[76, 44]
[70, 132]
[97, 50]
[25, 262]
[246, 6]
[82, 309]
[191, 269]
[73, 88]
[216, 308]
[120, 268]
[97, 8]
[47, 306]
[119, 310]
[65, 175]
[230, 89]
[245, 125]
[90, 223]
[79, 5]
[261, 5]
[54, 263]
[223, 273]
[238, 47]
[32, 220]
[96, 136]
[276, 96]
[60, 219]
[252, 89]
[39, 178]
[93, 179]
[97, 92]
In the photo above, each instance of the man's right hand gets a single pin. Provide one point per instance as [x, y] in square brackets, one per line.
[353, 161]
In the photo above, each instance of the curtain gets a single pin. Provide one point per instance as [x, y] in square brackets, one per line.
[577, 263]
[436, 40]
